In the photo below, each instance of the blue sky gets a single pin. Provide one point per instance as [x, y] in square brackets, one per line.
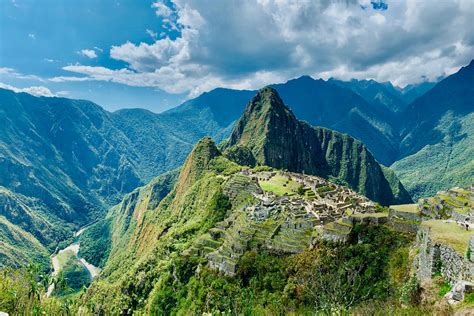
[41, 37]
[155, 54]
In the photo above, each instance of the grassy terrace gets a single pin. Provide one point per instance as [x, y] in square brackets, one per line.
[460, 190]
[364, 215]
[280, 185]
[412, 208]
[449, 234]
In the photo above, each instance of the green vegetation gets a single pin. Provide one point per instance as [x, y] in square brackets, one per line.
[240, 155]
[280, 185]
[23, 292]
[444, 164]
[18, 247]
[323, 189]
[266, 283]
[95, 243]
[469, 298]
[75, 273]
[444, 288]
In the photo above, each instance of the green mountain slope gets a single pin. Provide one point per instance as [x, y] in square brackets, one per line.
[217, 243]
[276, 138]
[64, 162]
[18, 247]
[438, 137]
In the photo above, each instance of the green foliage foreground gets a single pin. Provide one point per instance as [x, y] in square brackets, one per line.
[327, 278]
[23, 292]
[368, 274]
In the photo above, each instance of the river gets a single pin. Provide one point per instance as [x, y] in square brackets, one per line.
[74, 247]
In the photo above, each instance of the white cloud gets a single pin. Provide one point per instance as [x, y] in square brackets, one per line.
[89, 53]
[32, 36]
[161, 9]
[12, 73]
[35, 90]
[6, 70]
[152, 34]
[249, 44]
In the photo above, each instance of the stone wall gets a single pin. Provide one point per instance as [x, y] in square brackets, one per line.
[453, 266]
[427, 252]
[411, 216]
[437, 258]
[404, 226]
[458, 217]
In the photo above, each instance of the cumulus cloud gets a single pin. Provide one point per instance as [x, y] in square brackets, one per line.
[89, 53]
[242, 44]
[35, 90]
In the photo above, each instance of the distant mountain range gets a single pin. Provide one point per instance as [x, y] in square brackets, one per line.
[64, 162]
[437, 137]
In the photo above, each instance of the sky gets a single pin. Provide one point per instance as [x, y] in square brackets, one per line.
[157, 54]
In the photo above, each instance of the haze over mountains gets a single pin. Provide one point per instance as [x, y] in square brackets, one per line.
[65, 162]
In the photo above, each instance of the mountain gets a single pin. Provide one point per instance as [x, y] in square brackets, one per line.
[413, 91]
[318, 102]
[324, 104]
[229, 237]
[381, 95]
[64, 162]
[384, 94]
[212, 113]
[437, 146]
[277, 139]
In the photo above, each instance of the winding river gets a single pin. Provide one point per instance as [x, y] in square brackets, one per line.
[74, 247]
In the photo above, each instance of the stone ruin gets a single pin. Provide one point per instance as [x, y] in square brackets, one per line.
[282, 224]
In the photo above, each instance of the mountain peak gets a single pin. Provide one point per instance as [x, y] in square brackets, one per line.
[266, 100]
[197, 163]
[263, 114]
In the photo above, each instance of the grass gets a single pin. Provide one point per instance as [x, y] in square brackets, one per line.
[449, 234]
[469, 298]
[444, 288]
[280, 185]
[364, 215]
[412, 208]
